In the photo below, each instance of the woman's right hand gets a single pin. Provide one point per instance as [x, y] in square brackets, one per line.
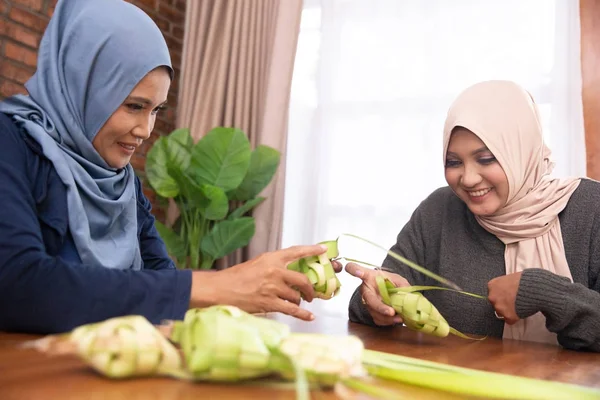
[382, 314]
[263, 284]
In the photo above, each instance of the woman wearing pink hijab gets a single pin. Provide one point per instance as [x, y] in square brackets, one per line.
[503, 226]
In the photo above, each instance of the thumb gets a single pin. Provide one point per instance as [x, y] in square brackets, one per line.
[397, 280]
[357, 270]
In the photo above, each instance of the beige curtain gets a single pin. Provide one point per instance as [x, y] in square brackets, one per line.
[238, 57]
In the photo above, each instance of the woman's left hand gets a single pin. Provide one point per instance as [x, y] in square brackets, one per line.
[502, 293]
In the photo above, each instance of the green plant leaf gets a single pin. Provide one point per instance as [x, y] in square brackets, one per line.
[227, 236]
[244, 208]
[175, 246]
[179, 146]
[169, 153]
[216, 204]
[263, 165]
[221, 158]
[156, 170]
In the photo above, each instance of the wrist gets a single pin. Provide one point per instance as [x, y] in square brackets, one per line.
[205, 290]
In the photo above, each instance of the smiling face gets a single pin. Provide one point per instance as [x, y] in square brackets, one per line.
[474, 174]
[133, 121]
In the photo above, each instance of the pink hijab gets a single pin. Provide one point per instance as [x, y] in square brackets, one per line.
[505, 118]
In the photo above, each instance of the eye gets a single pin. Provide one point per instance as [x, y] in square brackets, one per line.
[134, 106]
[486, 160]
[159, 108]
[452, 163]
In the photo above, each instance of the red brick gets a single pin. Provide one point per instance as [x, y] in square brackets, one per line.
[172, 43]
[162, 23]
[35, 5]
[138, 162]
[163, 127]
[149, 193]
[20, 33]
[176, 57]
[180, 5]
[15, 72]
[8, 88]
[20, 53]
[172, 14]
[148, 4]
[51, 7]
[3, 8]
[172, 100]
[177, 32]
[28, 19]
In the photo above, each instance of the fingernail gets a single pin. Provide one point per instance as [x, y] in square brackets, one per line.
[359, 273]
[391, 313]
[311, 317]
[397, 320]
[324, 247]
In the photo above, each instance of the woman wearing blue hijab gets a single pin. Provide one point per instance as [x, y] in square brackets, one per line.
[77, 240]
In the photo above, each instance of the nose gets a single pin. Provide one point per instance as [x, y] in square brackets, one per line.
[144, 128]
[470, 176]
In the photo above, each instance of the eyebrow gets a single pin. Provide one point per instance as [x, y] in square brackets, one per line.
[143, 100]
[479, 150]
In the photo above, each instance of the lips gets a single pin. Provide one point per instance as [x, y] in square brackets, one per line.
[479, 193]
[128, 146]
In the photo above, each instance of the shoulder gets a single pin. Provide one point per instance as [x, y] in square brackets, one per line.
[439, 202]
[585, 200]
[13, 143]
[587, 191]
[9, 132]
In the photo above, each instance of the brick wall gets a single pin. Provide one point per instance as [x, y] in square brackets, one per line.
[22, 23]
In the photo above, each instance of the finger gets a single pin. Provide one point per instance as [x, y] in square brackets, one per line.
[296, 252]
[385, 320]
[357, 270]
[289, 294]
[337, 266]
[301, 282]
[373, 301]
[396, 279]
[293, 309]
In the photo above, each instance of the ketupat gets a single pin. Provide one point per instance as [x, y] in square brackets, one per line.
[325, 359]
[320, 272]
[126, 346]
[224, 343]
[415, 309]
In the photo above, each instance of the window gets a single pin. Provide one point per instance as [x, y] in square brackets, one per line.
[372, 83]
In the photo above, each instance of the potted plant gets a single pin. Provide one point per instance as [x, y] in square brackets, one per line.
[215, 183]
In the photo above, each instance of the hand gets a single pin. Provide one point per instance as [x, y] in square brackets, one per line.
[263, 284]
[382, 314]
[502, 293]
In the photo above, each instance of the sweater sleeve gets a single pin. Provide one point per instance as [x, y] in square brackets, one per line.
[571, 309]
[409, 244]
[40, 293]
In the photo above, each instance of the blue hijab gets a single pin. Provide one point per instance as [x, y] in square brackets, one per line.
[92, 55]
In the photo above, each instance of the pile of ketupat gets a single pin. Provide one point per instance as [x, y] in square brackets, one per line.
[224, 343]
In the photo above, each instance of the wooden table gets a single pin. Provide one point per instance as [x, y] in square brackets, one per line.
[26, 374]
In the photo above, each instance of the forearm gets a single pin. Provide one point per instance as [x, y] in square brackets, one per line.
[47, 295]
[571, 309]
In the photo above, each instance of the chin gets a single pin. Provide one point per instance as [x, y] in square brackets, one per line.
[483, 211]
[118, 164]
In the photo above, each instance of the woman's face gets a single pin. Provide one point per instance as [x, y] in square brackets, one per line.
[474, 174]
[133, 121]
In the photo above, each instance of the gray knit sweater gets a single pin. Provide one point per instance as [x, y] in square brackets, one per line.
[443, 236]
